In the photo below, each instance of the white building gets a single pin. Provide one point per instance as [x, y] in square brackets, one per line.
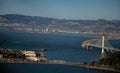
[32, 58]
[29, 53]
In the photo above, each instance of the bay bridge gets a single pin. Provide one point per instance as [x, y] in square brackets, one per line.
[100, 43]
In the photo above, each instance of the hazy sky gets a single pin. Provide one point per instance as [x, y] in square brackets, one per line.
[65, 9]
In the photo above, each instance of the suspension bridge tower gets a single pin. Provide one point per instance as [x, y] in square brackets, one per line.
[103, 44]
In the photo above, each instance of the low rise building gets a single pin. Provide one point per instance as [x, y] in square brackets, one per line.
[32, 56]
[29, 53]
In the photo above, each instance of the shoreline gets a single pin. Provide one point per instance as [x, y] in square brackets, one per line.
[100, 67]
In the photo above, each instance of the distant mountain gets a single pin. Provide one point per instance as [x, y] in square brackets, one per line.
[45, 24]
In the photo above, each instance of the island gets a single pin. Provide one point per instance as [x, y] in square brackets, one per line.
[21, 56]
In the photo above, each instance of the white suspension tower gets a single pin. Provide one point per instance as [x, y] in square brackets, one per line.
[103, 43]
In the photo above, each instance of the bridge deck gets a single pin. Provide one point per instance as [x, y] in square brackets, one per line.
[95, 42]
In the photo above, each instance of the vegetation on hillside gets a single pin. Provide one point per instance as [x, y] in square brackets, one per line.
[112, 61]
[40, 23]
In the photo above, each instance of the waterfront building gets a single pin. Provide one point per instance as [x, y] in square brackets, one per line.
[29, 53]
[32, 56]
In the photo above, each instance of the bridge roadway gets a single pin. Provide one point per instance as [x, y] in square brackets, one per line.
[97, 43]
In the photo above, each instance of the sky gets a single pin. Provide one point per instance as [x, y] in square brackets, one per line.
[63, 9]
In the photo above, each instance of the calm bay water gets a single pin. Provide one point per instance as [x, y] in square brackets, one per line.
[46, 68]
[60, 46]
